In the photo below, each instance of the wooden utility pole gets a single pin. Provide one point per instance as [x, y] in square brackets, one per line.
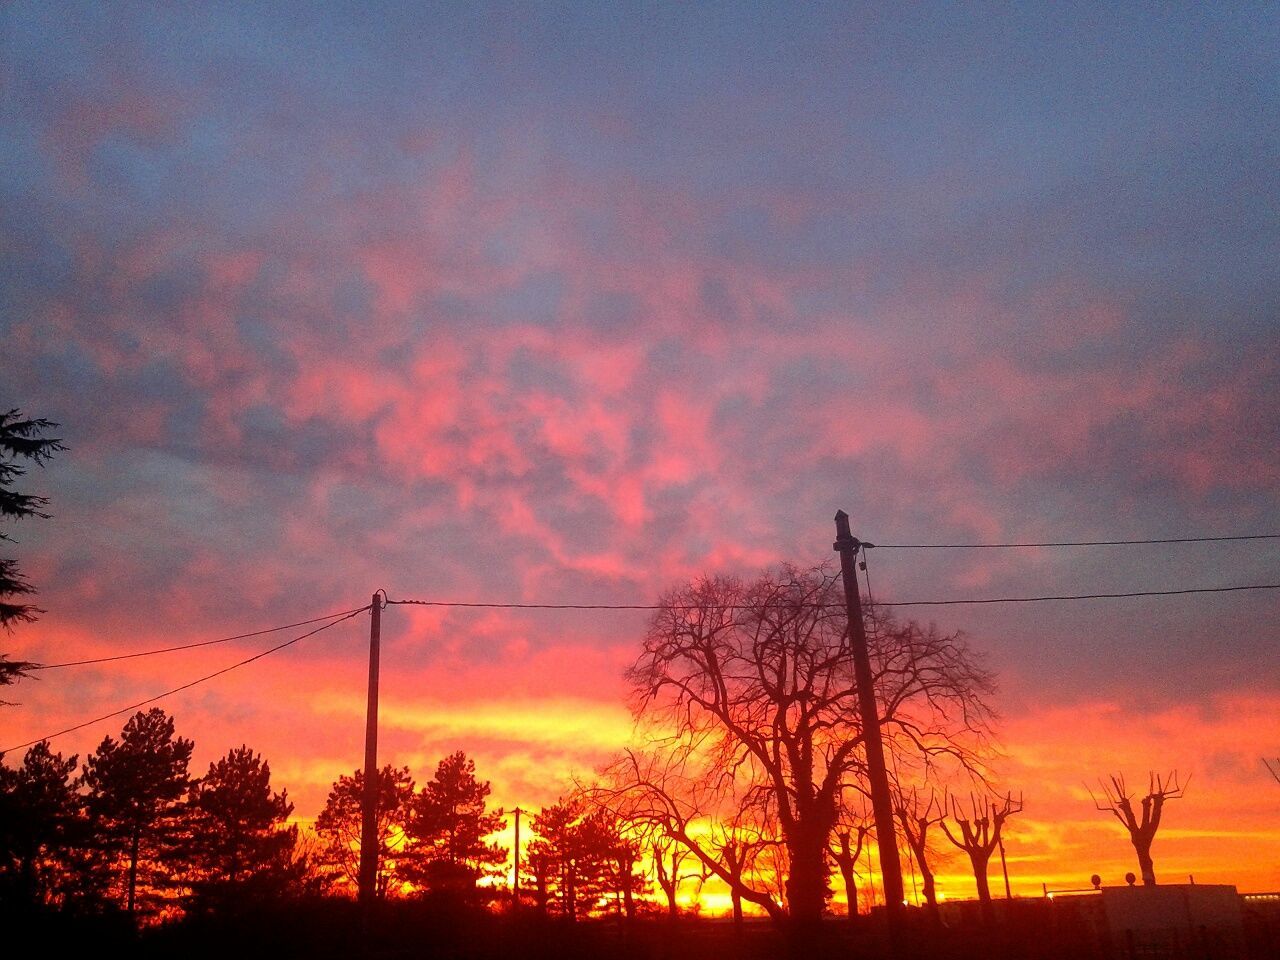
[369, 802]
[515, 885]
[881, 801]
[1004, 868]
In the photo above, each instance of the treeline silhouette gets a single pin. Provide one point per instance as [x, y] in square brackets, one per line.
[133, 833]
[748, 771]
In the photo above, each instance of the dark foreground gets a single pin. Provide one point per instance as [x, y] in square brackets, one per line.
[326, 928]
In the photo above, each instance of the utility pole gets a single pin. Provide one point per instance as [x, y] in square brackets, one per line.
[369, 802]
[515, 886]
[1004, 867]
[881, 802]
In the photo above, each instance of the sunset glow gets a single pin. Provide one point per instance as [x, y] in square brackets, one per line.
[499, 304]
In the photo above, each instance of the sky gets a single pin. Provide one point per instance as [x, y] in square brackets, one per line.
[574, 303]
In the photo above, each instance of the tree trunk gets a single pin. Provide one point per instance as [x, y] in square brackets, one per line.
[1143, 848]
[850, 890]
[134, 843]
[930, 890]
[737, 906]
[27, 873]
[807, 882]
[628, 899]
[806, 894]
[980, 877]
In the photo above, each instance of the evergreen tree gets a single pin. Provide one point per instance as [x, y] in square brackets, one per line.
[339, 825]
[39, 814]
[572, 859]
[135, 791]
[447, 829]
[240, 847]
[19, 439]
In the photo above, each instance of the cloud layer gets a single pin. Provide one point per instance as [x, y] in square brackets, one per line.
[510, 306]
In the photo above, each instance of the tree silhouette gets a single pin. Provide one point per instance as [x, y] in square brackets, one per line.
[979, 833]
[677, 795]
[339, 824]
[20, 439]
[1118, 801]
[135, 788]
[757, 680]
[738, 846]
[239, 844]
[540, 865]
[622, 844]
[845, 847]
[447, 829]
[628, 883]
[571, 858]
[39, 816]
[668, 859]
[916, 815]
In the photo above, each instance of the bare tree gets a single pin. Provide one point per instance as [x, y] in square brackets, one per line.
[1273, 770]
[979, 832]
[1118, 801]
[916, 815]
[845, 846]
[738, 848]
[670, 797]
[749, 689]
[668, 859]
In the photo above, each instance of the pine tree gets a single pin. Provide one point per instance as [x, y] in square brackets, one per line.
[19, 439]
[135, 791]
[339, 825]
[572, 859]
[240, 847]
[447, 830]
[39, 814]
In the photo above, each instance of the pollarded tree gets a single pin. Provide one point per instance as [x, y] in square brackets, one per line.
[1118, 800]
[240, 845]
[978, 830]
[851, 831]
[916, 814]
[758, 681]
[135, 787]
[20, 439]
[448, 828]
[39, 816]
[339, 825]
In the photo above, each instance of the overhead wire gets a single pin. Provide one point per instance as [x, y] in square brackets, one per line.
[188, 686]
[334, 619]
[1068, 543]
[192, 646]
[883, 603]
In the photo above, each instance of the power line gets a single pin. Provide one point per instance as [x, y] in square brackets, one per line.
[188, 686]
[1084, 596]
[535, 606]
[583, 606]
[192, 646]
[835, 606]
[1068, 543]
